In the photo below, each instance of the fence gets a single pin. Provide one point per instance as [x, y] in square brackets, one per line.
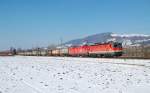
[137, 52]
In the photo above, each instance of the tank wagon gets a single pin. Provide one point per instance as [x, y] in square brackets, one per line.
[56, 52]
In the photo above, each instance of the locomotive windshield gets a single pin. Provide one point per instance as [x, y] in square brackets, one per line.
[117, 45]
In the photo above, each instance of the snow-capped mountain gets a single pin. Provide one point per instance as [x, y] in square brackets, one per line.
[125, 39]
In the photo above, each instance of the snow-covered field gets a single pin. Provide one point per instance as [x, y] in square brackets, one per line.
[22, 74]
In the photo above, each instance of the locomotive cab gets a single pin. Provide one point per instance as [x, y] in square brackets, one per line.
[117, 48]
[117, 45]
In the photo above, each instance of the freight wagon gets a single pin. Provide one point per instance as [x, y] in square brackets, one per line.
[64, 51]
[49, 52]
[56, 52]
[6, 53]
[35, 53]
[43, 52]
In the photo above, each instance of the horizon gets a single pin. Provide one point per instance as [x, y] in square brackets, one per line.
[32, 23]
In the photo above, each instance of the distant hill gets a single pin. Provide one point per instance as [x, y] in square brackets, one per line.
[125, 39]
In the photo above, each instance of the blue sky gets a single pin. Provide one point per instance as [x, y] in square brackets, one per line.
[30, 23]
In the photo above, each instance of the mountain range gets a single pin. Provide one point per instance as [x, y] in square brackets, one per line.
[125, 39]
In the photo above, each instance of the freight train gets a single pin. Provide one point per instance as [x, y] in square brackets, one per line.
[110, 49]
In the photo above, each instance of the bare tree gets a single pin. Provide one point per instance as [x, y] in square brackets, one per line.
[52, 46]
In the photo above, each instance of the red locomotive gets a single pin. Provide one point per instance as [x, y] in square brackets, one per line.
[97, 50]
[79, 50]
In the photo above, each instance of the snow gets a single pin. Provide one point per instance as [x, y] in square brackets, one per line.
[139, 41]
[129, 35]
[22, 74]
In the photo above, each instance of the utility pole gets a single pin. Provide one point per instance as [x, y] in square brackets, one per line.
[61, 41]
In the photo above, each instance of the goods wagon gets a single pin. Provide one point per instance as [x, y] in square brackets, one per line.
[35, 53]
[20, 53]
[6, 54]
[49, 52]
[29, 53]
[79, 50]
[43, 53]
[56, 52]
[64, 51]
